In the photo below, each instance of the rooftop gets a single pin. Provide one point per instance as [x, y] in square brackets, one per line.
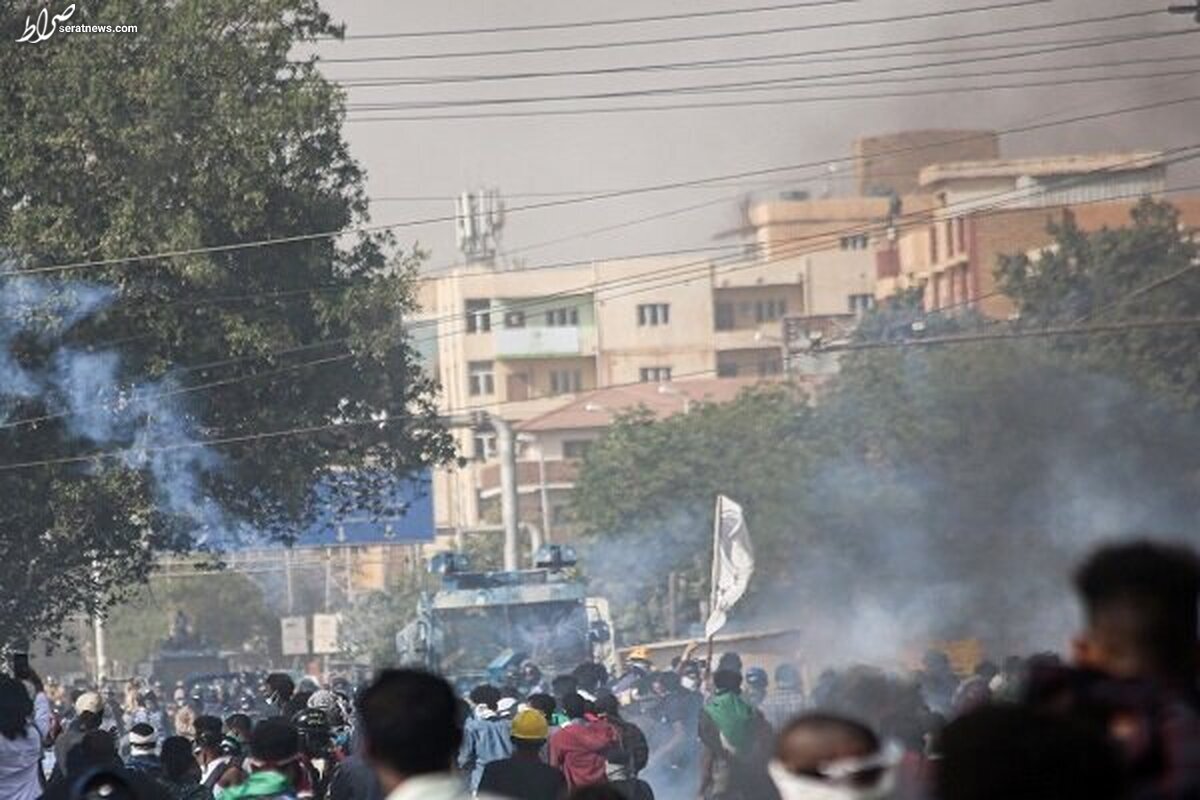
[597, 409]
[1041, 166]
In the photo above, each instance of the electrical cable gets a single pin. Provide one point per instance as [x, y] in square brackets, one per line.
[245, 245]
[592, 23]
[803, 99]
[778, 60]
[775, 30]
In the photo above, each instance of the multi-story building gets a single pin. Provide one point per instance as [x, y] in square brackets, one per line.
[521, 343]
[985, 209]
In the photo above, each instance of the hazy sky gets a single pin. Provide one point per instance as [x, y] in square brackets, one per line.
[599, 152]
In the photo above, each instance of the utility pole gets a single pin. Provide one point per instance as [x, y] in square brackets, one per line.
[1193, 9]
[509, 512]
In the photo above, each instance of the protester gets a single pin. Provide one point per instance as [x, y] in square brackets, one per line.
[1137, 655]
[180, 772]
[1008, 752]
[757, 685]
[523, 775]
[238, 727]
[825, 756]
[20, 743]
[410, 725]
[219, 769]
[487, 736]
[629, 756]
[278, 689]
[734, 735]
[275, 768]
[143, 751]
[580, 747]
[786, 700]
[89, 715]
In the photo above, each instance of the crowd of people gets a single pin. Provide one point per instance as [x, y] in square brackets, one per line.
[1118, 719]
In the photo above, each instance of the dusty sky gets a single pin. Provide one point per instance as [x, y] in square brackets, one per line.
[600, 152]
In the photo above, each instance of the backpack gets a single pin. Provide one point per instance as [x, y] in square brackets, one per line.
[634, 747]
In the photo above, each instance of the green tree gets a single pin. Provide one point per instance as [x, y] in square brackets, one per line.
[646, 493]
[227, 610]
[201, 130]
[1145, 270]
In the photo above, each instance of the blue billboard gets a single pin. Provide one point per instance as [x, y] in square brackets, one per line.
[409, 519]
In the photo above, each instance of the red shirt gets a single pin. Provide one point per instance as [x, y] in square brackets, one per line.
[579, 748]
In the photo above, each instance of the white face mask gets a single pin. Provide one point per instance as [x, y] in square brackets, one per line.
[802, 787]
[688, 682]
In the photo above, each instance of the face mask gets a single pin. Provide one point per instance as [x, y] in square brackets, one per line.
[688, 683]
[802, 787]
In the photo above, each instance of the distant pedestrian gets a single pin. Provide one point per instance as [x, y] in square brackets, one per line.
[786, 700]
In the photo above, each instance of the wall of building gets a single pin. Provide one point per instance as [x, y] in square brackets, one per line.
[894, 160]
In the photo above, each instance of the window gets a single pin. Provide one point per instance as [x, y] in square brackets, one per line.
[654, 374]
[724, 320]
[576, 448]
[861, 302]
[933, 244]
[950, 237]
[770, 366]
[562, 317]
[480, 380]
[857, 242]
[654, 314]
[514, 319]
[769, 310]
[479, 316]
[727, 369]
[961, 225]
[565, 381]
[484, 446]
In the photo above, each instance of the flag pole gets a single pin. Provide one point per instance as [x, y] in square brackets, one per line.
[712, 584]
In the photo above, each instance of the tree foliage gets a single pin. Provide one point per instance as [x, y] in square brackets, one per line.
[930, 491]
[200, 130]
[1146, 270]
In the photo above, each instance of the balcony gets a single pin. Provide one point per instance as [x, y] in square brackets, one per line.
[542, 342]
[560, 474]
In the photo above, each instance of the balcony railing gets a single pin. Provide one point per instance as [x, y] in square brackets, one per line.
[539, 342]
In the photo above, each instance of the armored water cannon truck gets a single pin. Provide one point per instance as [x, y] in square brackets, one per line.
[480, 625]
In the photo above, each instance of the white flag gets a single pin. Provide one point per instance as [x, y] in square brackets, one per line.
[733, 562]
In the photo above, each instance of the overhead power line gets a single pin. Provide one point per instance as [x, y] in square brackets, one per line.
[1067, 330]
[706, 37]
[848, 48]
[790, 58]
[592, 23]
[667, 276]
[775, 84]
[1125, 326]
[822, 163]
[803, 99]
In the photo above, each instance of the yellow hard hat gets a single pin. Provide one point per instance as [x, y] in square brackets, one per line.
[639, 653]
[530, 725]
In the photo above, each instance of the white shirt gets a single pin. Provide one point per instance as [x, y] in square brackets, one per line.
[19, 766]
[434, 786]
